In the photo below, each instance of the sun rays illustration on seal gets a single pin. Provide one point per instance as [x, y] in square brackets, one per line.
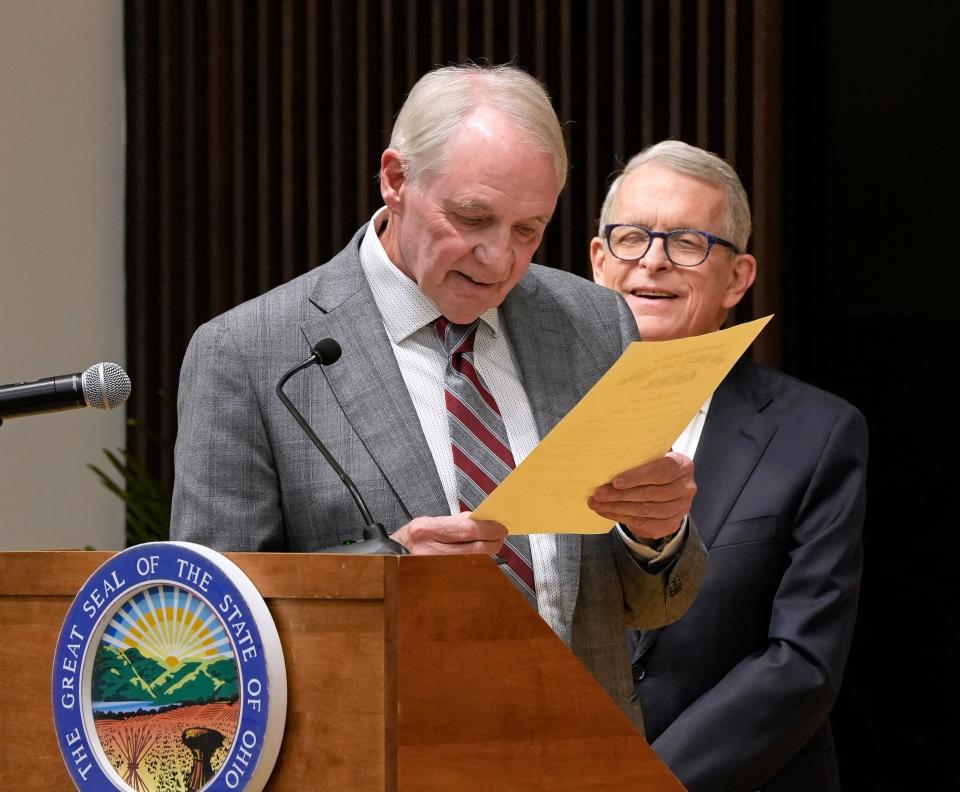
[169, 624]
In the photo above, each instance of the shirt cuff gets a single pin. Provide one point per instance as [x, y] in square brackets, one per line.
[663, 550]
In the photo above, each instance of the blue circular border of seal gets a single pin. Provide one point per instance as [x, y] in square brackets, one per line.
[212, 577]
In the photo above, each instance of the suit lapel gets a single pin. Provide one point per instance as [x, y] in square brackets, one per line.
[368, 385]
[541, 349]
[735, 435]
[547, 365]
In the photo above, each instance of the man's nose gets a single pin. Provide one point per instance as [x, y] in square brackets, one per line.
[495, 251]
[656, 256]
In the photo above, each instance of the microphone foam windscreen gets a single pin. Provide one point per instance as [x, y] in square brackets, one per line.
[327, 351]
[105, 386]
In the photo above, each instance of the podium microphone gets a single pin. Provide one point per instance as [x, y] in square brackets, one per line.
[105, 386]
[375, 540]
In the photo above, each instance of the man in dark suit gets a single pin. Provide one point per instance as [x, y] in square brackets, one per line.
[737, 694]
[470, 179]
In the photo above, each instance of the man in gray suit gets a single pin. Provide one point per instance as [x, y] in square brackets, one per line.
[471, 178]
[737, 693]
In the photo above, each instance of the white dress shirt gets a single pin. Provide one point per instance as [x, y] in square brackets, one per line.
[690, 437]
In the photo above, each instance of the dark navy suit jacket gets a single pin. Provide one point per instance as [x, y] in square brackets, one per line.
[736, 695]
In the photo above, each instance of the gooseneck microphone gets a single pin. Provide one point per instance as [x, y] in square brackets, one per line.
[375, 541]
[104, 386]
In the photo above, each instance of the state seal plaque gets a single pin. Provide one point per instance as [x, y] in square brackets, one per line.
[169, 675]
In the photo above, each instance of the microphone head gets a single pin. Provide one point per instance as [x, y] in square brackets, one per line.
[327, 351]
[105, 386]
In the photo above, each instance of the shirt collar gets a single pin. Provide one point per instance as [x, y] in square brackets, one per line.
[404, 308]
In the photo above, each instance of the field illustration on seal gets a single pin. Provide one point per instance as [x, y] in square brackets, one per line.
[165, 691]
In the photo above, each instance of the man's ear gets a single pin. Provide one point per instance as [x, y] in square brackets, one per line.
[392, 180]
[743, 271]
[597, 259]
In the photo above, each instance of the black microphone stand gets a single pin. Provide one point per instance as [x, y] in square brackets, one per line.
[376, 540]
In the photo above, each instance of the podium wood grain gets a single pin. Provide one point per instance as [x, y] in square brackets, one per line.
[402, 673]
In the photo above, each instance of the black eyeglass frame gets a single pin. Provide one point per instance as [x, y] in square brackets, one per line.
[712, 239]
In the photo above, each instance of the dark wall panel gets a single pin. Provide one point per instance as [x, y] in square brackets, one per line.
[255, 130]
[870, 129]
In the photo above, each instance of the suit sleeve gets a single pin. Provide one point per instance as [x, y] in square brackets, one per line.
[656, 595]
[225, 491]
[738, 734]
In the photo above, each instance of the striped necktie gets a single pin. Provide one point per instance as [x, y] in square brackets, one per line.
[481, 449]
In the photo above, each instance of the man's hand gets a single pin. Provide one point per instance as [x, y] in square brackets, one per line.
[650, 500]
[456, 534]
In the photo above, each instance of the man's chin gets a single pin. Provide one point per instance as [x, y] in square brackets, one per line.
[465, 311]
[657, 328]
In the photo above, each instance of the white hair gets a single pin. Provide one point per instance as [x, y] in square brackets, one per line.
[692, 161]
[444, 98]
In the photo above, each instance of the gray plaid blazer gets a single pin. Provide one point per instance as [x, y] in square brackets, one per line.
[248, 479]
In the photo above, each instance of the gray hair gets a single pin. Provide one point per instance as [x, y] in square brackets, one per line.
[444, 98]
[692, 161]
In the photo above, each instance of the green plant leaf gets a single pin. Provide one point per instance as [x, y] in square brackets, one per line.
[147, 502]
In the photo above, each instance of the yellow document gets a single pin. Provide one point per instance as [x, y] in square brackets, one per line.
[631, 416]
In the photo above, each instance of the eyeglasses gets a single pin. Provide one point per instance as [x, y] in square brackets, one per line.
[685, 247]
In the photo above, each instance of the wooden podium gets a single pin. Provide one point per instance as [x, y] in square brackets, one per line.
[402, 673]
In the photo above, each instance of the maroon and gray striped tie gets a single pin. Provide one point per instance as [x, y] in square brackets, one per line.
[481, 449]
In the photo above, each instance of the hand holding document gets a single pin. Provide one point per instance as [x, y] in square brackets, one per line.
[631, 416]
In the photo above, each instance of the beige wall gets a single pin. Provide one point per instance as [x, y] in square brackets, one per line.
[61, 260]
